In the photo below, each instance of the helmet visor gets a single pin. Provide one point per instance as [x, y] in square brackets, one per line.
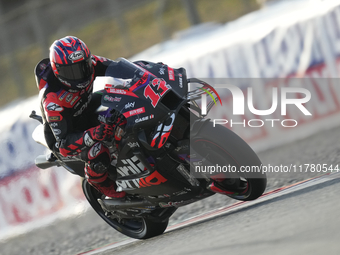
[77, 71]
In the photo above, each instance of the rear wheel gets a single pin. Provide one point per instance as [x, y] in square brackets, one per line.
[221, 147]
[139, 228]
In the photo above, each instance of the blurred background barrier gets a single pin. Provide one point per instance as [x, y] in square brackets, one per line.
[289, 38]
[30, 197]
[297, 38]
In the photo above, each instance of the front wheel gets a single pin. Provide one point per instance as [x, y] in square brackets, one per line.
[221, 147]
[139, 228]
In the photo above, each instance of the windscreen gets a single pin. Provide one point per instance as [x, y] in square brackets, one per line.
[123, 69]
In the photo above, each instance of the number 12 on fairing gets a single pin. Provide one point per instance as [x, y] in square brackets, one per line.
[161, 88]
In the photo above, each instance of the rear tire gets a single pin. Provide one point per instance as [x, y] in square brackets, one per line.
[224, 147]
[139, 228]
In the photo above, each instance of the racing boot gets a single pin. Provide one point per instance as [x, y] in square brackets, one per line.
[98, 176]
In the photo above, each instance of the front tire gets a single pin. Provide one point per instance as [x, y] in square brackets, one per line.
[138, 228]
[223, 147]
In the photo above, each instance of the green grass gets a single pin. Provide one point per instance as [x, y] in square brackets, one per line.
[104, 38]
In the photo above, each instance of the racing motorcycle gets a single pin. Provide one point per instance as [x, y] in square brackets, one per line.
[166, 139]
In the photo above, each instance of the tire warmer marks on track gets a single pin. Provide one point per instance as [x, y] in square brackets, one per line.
[228, 209]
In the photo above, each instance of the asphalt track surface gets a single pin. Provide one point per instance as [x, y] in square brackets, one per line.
[305, 221]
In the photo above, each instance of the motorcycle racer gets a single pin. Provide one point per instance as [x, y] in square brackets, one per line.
[68, 105]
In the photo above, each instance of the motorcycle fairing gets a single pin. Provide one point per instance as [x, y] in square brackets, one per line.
[142, 174]
[149, 101]
[162, 133]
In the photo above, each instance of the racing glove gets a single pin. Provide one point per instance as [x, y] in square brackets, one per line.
[103, 132]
